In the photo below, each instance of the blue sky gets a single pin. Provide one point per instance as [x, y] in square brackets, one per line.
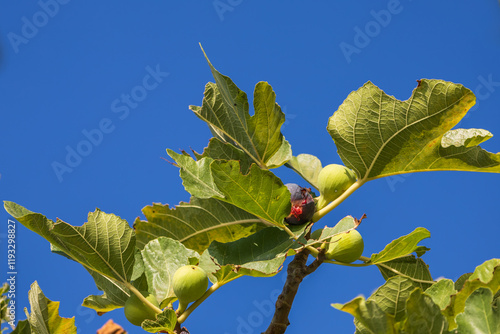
[131, 69]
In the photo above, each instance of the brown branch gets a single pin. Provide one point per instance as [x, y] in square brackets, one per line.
[180, 330]
[316, 263]
[297, 270]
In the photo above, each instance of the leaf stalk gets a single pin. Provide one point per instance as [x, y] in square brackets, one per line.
[314, 252]
[332, 205]
[197, 303]
[142, 298]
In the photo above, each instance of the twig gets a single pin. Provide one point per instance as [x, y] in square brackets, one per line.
[316, 263]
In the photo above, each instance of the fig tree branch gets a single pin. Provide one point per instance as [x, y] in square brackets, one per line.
[296, 271]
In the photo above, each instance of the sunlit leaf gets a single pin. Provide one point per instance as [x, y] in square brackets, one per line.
[487, 275]
[306, 165]
[162, 257]
[261, 254]
[225, 108]
[441, 291]
[44, 317]
[391, 297]
[138, 263]
[260, 192]
[423, 316]
[377, 135]
[165, 322]
[465, 137]
[479, 317]
[402, 246]
[196, 224]
[196, 175]
[219, 150]
[370, 318]
[421, 250]
[459, 283]
[410, 267]
[105, 244]
[114, 296]
[485, 271]
[22, 327]
[345, 224]
[282, 155]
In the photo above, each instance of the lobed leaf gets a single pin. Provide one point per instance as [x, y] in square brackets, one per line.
[479, 316]
[105, 244]
[259, 192]
[306, 165]
[114, 296]
[370, 318]
[165, 323]
[474, 309]
[226, 110]
[402, 246]
[162, 257]
[441, 292]
[392, 296]
[259, 255]
[196, 224]
[377, 135]
[408, 266]
[22, 327]
[196, 175]
[219, 150]
[459, 283]
[465, 137]
[216, 272]
[44, 317]
[423, 316]
[345, 224]
[486, 275]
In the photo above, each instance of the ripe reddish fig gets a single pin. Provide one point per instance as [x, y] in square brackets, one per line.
[303, 206]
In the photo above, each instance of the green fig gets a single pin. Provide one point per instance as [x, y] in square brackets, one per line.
[189, 284]
[346, 247]
[332, 181]
[136, 311]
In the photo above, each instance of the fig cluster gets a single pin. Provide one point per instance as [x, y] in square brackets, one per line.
[136, 311]
[333, 180]
[303, 205]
